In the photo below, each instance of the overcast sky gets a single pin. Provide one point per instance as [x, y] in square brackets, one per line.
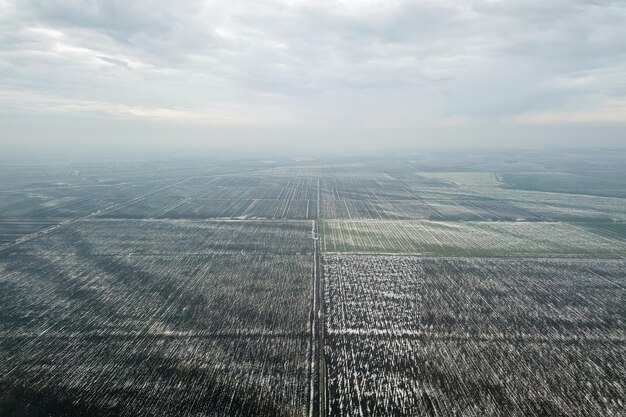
[369, 73]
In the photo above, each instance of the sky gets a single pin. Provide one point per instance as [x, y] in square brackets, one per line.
[343, 74]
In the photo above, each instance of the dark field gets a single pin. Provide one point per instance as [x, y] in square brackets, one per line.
[153, 317]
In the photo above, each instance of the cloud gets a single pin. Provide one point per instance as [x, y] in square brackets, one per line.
[397, 64]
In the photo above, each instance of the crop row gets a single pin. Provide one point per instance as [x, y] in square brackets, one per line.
[559, 206]
[369, 376]
[474, 337]
[194, 208]
[159, 318]
[522, 239]
[476, 204]
[177, 237]
[342, 192]
[12, 230]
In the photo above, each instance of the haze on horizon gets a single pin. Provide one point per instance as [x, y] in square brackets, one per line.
[371, 74]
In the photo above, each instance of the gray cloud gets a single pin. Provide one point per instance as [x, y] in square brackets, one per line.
[315, 64]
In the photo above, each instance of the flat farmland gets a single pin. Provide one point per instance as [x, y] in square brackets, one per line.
[195, 208]
[273, 195]
[469, 179]
[425, 284]
[525, 239]
[474, 337]
[13, 229]
[147, 317]
[566, 183]
[37, 197]
[550, 206]
[360, 193]
[428, 207]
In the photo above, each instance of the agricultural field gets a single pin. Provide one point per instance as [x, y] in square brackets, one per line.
[565, 183]
[613, 231]
[271, 194]
[146, 317]
[359, 193]
[474, 337]
[12, 230]
[208, 209]
[548, 206]
[466, 179]
[413, 284]
[518, 239]
[34, 197]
